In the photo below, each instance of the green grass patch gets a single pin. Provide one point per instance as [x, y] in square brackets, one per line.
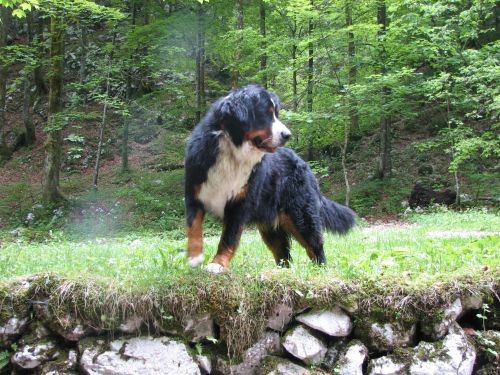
[434, 246]
[400, 270]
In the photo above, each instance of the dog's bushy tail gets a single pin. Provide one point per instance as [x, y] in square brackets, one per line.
[336, 217]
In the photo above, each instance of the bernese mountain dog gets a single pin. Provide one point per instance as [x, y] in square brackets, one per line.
[237, 169]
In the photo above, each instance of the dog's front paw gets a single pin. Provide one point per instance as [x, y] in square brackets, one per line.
[195, 261]
[215, 268]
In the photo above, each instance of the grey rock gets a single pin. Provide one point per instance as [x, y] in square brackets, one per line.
[268, 344]
[32, 356]
[68, 327]
[470, 302]
[65, 364]
[300, 343]
[281, 366]
[204, 363]
[352, 359]
[131, 325]
[386, 366]
[436, 329]
[279, 317]
[333, 353]
[386, 336]
[140, 355]
[333, 322]
[199, 328]
[12, 329]
[72, 360]
[454, 355]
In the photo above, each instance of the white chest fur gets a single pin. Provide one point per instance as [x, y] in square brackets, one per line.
[229, 175]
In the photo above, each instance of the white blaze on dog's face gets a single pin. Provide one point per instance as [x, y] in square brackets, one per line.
[280, 133]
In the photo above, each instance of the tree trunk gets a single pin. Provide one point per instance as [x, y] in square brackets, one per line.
[263, 46]
[128, 94]
[455, 172]
[200, 63]
[53, 144]
[239, 43]
[146, 4]
[310, 67]
[351, 56]
[344, 166]
[294, 66]
[41, 86]
[385, 162]
[125, 132]
[310, 77]
[5, 16]
[29, 128]
[83, 54]
[104, 118]
[82, 74]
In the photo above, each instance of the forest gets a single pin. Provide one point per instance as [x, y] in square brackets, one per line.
[394, 105]
[351, 76]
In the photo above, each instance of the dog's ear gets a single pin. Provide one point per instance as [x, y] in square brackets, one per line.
[231, 115]
[231, 108]
[276, 101]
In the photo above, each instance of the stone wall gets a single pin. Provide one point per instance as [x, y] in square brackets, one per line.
[333, 341]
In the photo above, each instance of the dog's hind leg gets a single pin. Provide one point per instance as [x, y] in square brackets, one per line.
[309, 236]
[278, 241]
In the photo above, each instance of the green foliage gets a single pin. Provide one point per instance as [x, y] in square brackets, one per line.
[20, 7]
[374, 197]
[4, 358]
[435, 68]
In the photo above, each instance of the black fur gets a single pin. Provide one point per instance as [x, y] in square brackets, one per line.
[280, 188]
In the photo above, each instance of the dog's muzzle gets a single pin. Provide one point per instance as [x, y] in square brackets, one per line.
[281, 134]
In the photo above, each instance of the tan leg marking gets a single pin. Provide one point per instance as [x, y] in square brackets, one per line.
[225, 253]
[195, 235]
[277, 246]
[287, 224]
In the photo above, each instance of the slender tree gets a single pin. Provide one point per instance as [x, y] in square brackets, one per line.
[29, 128]
[263, 45]
[104, 118]
[352, 70]
[53, 144]
[239, 43]
[200, 62]
[385, 163]
[310, 78]
[4, 23]
[128, 96]
[295, 102]
[40, 83]
[310, 63]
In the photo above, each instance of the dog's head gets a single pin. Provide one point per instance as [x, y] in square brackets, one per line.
[250, 114]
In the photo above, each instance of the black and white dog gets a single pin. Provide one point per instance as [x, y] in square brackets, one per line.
[237, 170]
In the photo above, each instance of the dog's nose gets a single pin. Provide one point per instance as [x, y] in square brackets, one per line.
[285, 136]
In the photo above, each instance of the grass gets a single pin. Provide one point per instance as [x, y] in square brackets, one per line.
[142, 259]
[400, 269]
